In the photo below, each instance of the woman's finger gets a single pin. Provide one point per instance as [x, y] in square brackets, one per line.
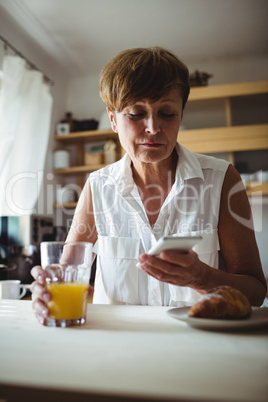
[183, 259]
[155, 264]
[41, 311]
[181, 273]
[40, 292]
[39, 274]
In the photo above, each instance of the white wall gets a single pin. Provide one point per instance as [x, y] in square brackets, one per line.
[232, 70]
[83, 97]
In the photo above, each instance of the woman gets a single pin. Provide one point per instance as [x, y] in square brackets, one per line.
[160, 188]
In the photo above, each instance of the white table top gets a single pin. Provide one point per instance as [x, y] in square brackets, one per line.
[135, 351]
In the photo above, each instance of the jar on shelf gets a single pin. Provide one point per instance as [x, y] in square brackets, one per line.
[61, 159]
[109, 152]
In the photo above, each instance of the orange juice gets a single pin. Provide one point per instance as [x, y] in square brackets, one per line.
[68, 300]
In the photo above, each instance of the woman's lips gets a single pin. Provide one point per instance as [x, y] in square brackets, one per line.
[151, 144]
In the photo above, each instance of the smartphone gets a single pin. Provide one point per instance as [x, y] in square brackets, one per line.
[182, 243]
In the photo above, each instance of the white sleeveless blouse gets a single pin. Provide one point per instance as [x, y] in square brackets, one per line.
[124, 232]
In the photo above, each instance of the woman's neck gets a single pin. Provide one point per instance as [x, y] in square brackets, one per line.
[154, 182]
[161, 173]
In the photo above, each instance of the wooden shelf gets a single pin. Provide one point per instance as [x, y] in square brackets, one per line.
[84, 136]
[69, 205]
[79, 139]
[225, 139]
[78, 169]
[257, 188]
[228, 90]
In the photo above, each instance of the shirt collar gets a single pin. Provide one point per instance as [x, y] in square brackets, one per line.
[188, 166]
[120, 176]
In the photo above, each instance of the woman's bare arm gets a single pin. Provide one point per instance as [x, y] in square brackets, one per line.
[237, 239]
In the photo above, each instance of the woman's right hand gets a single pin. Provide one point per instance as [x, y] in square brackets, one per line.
[40, 295]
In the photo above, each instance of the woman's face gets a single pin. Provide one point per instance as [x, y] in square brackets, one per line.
[148, 129]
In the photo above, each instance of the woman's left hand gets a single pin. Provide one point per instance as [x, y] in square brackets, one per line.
[175, 267]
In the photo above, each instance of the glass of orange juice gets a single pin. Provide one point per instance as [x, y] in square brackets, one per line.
[68, 268]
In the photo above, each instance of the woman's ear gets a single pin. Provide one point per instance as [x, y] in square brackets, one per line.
[112, 120]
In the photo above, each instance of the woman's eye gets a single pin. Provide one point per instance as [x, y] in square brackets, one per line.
[167, 115]
[136, 116]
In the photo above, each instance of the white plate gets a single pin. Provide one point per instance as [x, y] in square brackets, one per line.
[258, 317]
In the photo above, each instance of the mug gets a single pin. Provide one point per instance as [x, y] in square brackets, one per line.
[12, 289]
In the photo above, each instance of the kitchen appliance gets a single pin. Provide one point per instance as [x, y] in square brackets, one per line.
[20, 238]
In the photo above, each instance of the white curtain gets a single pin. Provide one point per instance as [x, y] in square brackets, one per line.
[25, 115]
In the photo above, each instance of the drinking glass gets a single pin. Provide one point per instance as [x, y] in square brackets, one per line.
[67, 267]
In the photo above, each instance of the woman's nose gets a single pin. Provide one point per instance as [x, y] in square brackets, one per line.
[152, 125]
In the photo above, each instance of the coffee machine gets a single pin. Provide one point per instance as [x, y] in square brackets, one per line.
[20, 238]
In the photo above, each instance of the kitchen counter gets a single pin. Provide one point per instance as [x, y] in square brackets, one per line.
[135, 352]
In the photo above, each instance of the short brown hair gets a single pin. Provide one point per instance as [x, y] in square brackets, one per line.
[139, 73]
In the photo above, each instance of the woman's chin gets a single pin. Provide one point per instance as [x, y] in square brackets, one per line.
[150, 158]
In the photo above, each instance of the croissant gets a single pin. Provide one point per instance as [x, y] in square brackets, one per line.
[222, 302]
